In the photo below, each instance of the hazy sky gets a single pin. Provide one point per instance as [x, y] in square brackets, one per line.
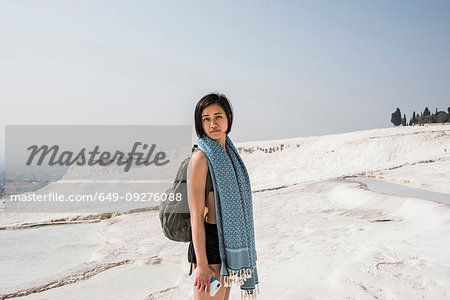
[290, 68]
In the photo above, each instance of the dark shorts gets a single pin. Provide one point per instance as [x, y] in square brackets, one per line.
[212, 246]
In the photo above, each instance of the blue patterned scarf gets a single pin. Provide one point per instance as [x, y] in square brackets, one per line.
[234, 215]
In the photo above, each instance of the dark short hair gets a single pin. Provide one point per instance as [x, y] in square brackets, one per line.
[213, 98]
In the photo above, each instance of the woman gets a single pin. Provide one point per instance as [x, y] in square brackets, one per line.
[223, 244]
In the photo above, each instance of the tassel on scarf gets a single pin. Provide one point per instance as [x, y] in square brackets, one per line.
[239, 276]
[236, 276]
[250, 294]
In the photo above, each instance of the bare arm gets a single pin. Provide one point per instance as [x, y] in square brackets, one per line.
[196, 179]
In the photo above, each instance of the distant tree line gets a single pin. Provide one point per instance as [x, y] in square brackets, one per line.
[424, 117]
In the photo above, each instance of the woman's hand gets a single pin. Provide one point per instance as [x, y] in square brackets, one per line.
[203, 277]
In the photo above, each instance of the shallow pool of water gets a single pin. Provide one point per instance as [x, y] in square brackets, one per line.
[381, 186]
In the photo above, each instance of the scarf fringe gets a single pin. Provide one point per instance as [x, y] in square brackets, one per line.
[239, 276]
[250, 294]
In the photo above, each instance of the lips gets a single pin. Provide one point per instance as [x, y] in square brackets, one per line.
[214, 131]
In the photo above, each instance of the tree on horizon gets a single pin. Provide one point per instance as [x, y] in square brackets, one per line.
[396, 117]
[411, 120]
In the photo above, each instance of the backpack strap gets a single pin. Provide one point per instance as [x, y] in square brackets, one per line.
[209, 183]
[190, 268]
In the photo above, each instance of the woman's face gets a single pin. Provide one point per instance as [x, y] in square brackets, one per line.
[214, 121]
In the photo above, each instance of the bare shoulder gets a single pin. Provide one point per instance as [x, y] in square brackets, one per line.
[199, 158]
[198, 171]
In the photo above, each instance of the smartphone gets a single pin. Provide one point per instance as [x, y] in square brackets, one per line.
[214, 285]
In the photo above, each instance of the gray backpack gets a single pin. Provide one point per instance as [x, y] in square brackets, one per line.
[174, 215]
